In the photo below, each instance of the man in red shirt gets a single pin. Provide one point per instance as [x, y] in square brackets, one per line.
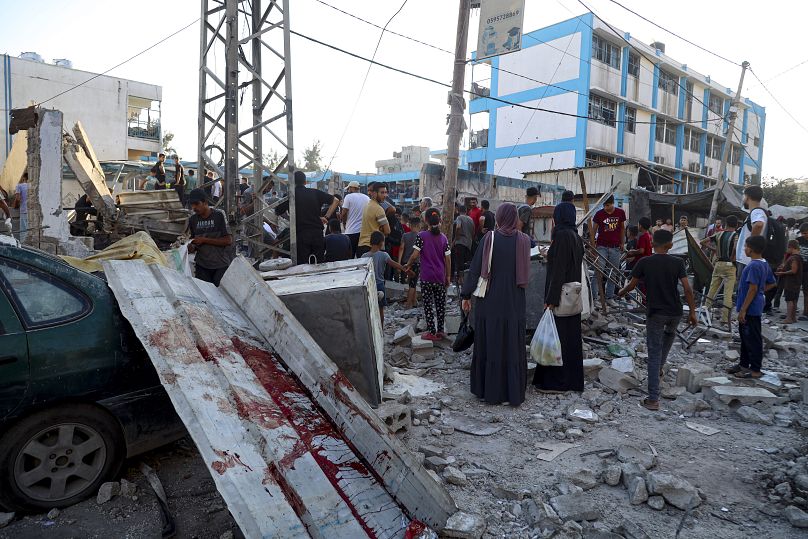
[644, 241]
[610, 224]
[475, 213]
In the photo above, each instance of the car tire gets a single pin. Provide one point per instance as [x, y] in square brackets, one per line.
[58, 457]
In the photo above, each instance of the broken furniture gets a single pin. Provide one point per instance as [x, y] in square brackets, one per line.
[338, 306]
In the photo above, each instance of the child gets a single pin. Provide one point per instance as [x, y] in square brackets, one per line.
[405, 253]
[432, 249]
[381, 260]
[337, 245]
[661, 273]
[791, 277]
[757, 277]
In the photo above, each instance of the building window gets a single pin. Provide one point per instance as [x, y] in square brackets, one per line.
[631, 120]
[757, 142]
[605, 52]
[716, 104]
[689, 101]
[143, 118]
[602, 110]
[692, 140]
[735, 154]
[713, 148]
[668, 83]
[634, 64]
[666, 132]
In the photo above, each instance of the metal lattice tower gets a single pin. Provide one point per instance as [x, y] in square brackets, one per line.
[245, 66]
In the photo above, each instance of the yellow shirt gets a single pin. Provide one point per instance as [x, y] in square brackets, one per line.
[372, 220]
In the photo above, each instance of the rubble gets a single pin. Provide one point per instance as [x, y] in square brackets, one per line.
[656, 502]
[690, 376]
[628, 453]
[740, 394]
[616, 380]
[464, 526]
[612, 475]
[53, 514]
[796, 516]
[107, 491]
[637, 492]
[752, 415]
[6, 519]
[676, 491]
[575, 507]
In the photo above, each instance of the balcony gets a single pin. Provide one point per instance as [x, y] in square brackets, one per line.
[479, 92]
[145, 130]
[143, 118]
[478, 139]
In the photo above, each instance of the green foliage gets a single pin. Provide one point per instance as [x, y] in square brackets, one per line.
[312, 157]
[783, 192]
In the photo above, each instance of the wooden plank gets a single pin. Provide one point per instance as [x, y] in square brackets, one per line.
[400, 472]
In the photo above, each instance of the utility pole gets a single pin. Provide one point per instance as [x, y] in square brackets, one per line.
[722, 170]
[456, 122]
[231, 137]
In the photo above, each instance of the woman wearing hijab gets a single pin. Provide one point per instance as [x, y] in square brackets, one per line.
[563, 266]
[499, 363]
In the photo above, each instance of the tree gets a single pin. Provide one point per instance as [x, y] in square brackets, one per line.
[312, 157]
[783, 193]
[168, 137]
[271, 160]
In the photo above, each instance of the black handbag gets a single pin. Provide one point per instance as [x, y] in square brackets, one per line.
[465, 335]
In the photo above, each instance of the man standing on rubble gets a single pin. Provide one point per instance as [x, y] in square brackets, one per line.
[353, 208]
[159, 172]
[308, 221]
[610, 223]
[211, 239]
[374, 218]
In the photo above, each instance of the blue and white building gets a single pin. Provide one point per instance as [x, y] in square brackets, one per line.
[616, 106]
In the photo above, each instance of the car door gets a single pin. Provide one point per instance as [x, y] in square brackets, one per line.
[14, 366]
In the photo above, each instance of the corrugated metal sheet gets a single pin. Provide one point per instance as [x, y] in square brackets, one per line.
[598, 179]
[294, 453]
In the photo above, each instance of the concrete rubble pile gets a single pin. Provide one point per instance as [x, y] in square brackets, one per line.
[596, 464]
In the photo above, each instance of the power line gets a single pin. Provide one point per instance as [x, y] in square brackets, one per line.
[122, 63]
[792, 68]
[446, 85]
[532, 114]
[357, 17]
[361, 88]
[674, 33]
[778, 101]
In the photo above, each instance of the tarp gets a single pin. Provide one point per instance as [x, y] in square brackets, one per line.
[730, 201]
[789, 212]
[138, 246]
[699, 263]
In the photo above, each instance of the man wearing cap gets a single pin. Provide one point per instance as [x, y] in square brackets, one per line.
[353, 208]
[210, 239]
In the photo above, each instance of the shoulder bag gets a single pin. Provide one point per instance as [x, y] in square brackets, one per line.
[482, 283]
[572, 301]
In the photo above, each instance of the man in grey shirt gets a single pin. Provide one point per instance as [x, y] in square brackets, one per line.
[461, 247]
[211, 239]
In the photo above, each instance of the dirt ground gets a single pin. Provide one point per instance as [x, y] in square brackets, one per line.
[735, 471]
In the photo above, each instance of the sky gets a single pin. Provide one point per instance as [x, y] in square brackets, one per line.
[395, 110]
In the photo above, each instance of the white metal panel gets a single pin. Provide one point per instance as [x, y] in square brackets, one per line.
[518, 166]
[517, 125]
[539, 62]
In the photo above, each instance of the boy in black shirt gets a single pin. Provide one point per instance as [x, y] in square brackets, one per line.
[661, 273]
[337, 245]
[210, 239]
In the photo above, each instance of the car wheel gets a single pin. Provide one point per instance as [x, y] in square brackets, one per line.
[58, 457]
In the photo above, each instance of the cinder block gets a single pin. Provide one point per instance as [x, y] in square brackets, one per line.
[691, 375]
[396, 416]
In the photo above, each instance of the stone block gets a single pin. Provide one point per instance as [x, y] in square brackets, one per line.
[676, 491]
[5, 519]
[592, 367]
[624, 365]
[656, 502]
[732, 355]
[404, 335]
[612, 474]
[462, 525]
[691, 375]
[452, 324]
[539, 515]
[629, 453]
[631, 470]
[583, 477]
[740, 394]
[796, 516]
[395, 415]
[616, 380]
[420, 345]
[435, 463]
[672, 392]
[752, 415]
[506, 493]
[575, 507]
[637, 492]
[453, 476]
[716, 381]
[431, 451]
[107, 491]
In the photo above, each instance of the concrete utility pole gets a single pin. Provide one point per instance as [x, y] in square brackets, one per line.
[722, 170]
[456, 122]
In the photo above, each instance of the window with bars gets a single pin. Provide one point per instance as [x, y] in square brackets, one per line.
[631, 120]
[666, 132]
[602, 110]
[668, 82]
[605, 51]
[716, 104]
[595, 159]
[634, 64]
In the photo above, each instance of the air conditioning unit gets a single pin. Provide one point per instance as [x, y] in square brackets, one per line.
[659, 160]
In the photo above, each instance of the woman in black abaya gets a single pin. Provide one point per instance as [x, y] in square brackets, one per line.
[563, 266]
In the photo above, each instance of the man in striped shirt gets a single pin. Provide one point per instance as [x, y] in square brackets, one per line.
[723, 244]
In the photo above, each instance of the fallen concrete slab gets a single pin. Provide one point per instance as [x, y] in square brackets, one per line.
[339, 308]
[80, 157]
[740, 394]
[281, 466]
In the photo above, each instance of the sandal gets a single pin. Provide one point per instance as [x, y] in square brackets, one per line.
[747, 374]
[648, 404]
[735, 369]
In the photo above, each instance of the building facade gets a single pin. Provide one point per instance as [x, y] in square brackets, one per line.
[121, 117]
[609, 104]
[409, 158]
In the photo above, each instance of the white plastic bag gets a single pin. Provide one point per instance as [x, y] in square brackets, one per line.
[545, 348]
